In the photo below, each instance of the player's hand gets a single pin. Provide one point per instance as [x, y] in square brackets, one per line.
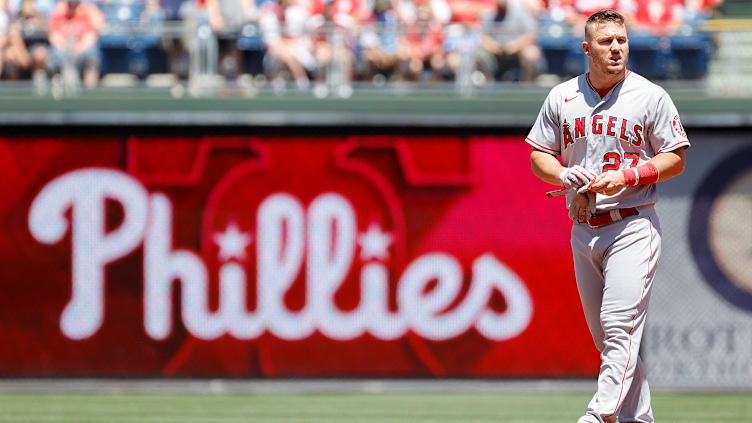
[608, 183]
[579, 209]
[576, 177]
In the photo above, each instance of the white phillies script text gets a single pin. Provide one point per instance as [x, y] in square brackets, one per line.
[309, 240]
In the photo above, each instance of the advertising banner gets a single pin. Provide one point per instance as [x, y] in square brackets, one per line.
[699, 332]
[421, 256]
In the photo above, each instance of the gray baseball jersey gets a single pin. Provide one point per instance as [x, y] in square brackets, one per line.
[614, 264]
[626, 128]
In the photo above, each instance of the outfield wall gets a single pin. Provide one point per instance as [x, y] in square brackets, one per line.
[182, 254]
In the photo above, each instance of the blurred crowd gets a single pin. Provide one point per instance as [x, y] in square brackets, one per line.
[307, 41]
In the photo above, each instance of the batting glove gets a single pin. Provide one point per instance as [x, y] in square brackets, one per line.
[576, 177]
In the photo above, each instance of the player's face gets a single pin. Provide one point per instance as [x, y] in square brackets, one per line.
[608, 48]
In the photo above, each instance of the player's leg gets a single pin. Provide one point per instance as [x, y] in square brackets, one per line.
[589, 276]
[629, 266]
[636, 404]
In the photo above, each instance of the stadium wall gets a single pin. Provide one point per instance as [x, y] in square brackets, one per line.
[369, 254]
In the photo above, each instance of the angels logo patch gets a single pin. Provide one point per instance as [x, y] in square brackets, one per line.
[678, 128]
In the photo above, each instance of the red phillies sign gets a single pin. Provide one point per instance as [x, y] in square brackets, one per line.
[296, 256]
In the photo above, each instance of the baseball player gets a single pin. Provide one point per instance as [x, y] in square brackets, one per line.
[618, 135]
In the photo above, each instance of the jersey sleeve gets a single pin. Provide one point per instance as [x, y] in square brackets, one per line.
[668, 133]
[545, 134]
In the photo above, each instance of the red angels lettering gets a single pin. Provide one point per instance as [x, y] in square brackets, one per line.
[623, 134]
[597, 126]
[611, 126]
[579, 127]
[290, 237]
[638, 136]
[567, 137]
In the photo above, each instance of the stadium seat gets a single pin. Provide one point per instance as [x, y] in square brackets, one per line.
[123, 12]
[251, 44]
[576, 62]
[649, 55]
[249, 38]
[126, 48]
[691, 54]
[553, 39]
[138, 61]
[561, 50]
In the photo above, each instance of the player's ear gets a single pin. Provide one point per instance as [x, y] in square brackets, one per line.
[586, 48]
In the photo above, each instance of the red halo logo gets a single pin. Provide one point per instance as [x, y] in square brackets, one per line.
[678, 128]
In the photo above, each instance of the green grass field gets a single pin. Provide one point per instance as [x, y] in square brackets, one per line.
[352, 408]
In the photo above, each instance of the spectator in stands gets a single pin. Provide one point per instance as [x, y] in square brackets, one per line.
[707, 6]
[30, 22]
[285, 27]
[153, 12]
[379, 41]
[34, 16]
[335, 31]
[174, 10]
[691, 46]
[177, 53]
[15, 59]
[463, 34]
[74, 34]
[228, 17]
[13, 53]
[422, 42]
[577, 12]
[509, 42]
[536, 7]
[4, 31]
[658, 17]
[697, 11]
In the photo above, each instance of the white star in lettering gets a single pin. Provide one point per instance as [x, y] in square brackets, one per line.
[374, 243]
[232, 243]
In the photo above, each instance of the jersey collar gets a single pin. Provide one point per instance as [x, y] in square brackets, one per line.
[587, 78]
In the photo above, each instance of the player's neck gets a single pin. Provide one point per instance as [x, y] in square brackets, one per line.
[602, 83]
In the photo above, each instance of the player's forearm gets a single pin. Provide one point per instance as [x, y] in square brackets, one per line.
[546, 167]
[660, 168]
[670, 164]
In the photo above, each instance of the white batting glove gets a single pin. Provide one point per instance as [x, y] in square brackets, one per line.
[576, 177]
